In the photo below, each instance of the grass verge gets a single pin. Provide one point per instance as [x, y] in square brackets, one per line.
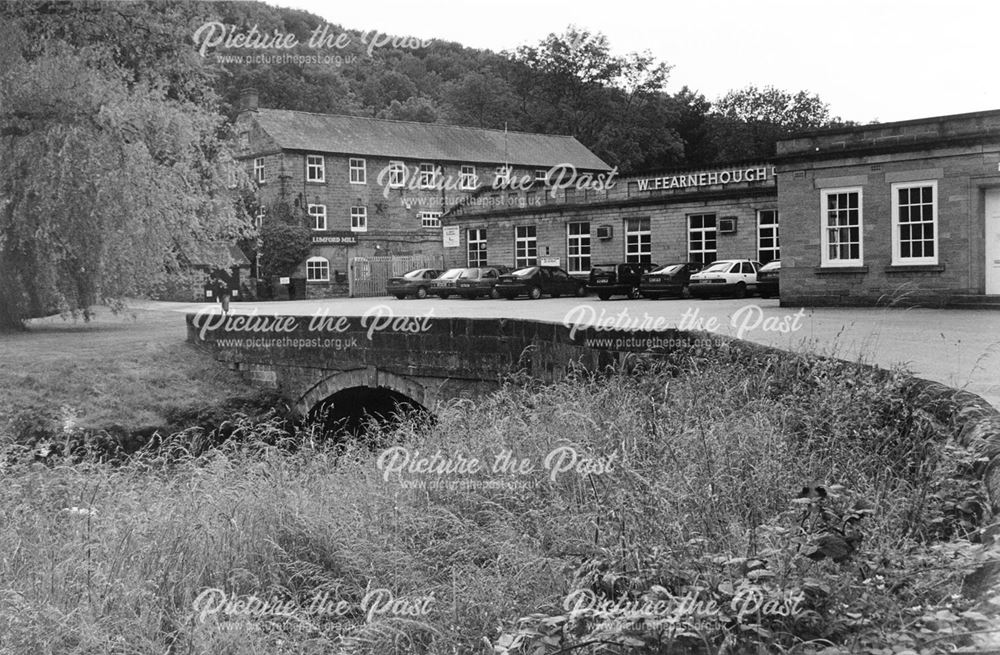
[119, 372]
[800, 501]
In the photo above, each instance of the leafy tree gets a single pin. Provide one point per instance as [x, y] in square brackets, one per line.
[691, 121]
[572, 84]
[105, 182]
[480, 98]
[417, 109]
[772, 106]
[285, 240]
[748, 122]
[148, 41]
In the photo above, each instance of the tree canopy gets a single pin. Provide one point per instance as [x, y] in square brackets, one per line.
[114, 154]
[105, 179]
[747, 122]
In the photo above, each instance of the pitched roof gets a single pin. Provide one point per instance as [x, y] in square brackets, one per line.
[356, 135]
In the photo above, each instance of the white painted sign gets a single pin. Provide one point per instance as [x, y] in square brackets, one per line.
[549, 261]
[708, 178]
[284, 280]
[451, 236]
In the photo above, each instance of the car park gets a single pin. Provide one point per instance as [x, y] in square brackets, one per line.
[736, 277]
[476, 282]
[669, 280]
[608, 280]
[767, 279]
[444, 285]
[416, 283]
[536, 281]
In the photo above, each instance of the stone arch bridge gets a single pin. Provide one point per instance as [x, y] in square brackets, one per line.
[427, 360]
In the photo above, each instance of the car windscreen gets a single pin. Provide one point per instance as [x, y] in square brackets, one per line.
[603, 268]
[525, 272]
[771, 266]
[470, 273]
[719, 267]
[451, 274]
[668, 270]
[415, 275]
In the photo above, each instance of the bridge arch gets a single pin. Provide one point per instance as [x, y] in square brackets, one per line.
[370, 377]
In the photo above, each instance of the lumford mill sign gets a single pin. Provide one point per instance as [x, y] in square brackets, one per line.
[340, 238]
[709, 178]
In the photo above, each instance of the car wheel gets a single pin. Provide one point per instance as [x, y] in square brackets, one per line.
[444, 296]
[765, 294]
[421, 292]
[741, 290]
[494, 294]
[685, 291]
[604, 296]
[581, 291]
[535, 293]
[633, 293]
[399, 296]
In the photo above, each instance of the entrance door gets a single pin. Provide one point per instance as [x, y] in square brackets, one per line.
[993, 241]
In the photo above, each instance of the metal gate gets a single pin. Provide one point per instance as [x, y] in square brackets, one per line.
[368, 275]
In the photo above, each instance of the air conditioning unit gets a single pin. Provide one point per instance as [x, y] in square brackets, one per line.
[604, 232]
[727, 225]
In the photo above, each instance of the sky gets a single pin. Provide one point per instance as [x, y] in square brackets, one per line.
[883, 60]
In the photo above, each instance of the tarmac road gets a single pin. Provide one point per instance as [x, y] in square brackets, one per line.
[960, 348]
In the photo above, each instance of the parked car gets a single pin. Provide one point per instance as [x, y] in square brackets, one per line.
[736, 277]
[476, 282]
[669, 280]
[536, 281]
[415, 283]
[444, 284]
[608, 280]
[767, 279]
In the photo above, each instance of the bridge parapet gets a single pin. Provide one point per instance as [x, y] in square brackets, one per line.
[426, 358]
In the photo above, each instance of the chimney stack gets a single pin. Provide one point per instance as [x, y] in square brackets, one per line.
[248, 99]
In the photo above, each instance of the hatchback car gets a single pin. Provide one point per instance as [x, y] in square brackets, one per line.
[415, 283]
[608, 280]
[737, 277]
[669, 280]
[536, 281]
[444, 285]
[476, 282]
[767, 279]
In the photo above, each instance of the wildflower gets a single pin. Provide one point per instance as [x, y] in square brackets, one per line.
[81, 511]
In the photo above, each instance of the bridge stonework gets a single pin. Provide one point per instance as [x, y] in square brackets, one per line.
[428, 360]
[437, 359]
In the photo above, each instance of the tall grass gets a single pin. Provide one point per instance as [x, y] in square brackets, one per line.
[708, 448]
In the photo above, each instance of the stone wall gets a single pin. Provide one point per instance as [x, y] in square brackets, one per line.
[958, 154]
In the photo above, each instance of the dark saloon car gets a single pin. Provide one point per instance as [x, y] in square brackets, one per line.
[608, 280]
[536, 281]
[415, 283]
[444, 284]
[767, 279]
[476, 282]
[669, 280]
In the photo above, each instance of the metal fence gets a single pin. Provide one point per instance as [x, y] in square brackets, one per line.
[367, 276]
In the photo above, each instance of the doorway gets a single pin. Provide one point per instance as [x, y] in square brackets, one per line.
[992, 241]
